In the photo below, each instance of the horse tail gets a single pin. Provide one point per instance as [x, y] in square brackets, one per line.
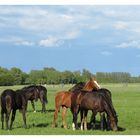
[45, 97]
[8, 101]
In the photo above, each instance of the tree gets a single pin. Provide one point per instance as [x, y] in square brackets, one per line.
[86, 74]
[17, 74]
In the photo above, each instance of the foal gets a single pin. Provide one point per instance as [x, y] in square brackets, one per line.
[41, 94]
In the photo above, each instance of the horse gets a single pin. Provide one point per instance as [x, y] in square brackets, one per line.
[104, 124]
[97, 101]
[91, 85]
[42, 95]
[12, 100]
[63, 98]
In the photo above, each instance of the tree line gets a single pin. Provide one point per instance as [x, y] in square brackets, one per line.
[16, 76]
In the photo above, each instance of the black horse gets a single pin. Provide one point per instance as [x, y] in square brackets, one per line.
[42, 95]
[13, 100]
[97, 101]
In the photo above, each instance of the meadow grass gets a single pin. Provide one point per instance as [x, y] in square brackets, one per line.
[126, 100]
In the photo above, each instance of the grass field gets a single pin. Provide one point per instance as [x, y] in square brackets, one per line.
[126, 100]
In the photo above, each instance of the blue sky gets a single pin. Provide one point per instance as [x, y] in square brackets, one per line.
[97, 38]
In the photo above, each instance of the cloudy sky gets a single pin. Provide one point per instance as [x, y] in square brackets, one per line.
[97, 38]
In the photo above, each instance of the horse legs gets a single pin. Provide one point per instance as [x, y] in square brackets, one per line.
[24, 117]
[82, 119]
[33, 106]
[55, 117]
[75, 113]
[93, 119]
[2, 119]
[85, 119]
[12, 118]
[43, 107]
[64, 111]
[43, 104]
[7, 119]
[103, 121]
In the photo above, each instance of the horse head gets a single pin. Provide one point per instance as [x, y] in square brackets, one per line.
[91, 85]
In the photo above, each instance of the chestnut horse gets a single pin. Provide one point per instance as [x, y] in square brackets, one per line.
[63, 98]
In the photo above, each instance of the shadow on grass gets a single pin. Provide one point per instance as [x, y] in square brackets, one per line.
[40, 125]
[98, 127]
[121, 128]
[47, 111]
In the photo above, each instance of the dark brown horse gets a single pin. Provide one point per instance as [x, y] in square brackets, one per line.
[104, 123]
[42, 95]
[97, 101]
[63, 98]
[13, 100]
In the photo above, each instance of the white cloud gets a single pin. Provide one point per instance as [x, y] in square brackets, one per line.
[51, 42]
[24, 43]
[130, 44]
[17, 41]
[130, 26]
[106, 53]
[52, 26]
[71, 35]
[120, 25]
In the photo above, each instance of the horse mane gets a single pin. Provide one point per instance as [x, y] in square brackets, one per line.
[78, 87]
[110, 105]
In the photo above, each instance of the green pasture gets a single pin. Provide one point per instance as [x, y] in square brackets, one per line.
[126, 100]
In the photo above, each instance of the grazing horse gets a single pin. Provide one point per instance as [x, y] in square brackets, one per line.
[97, 101]
[63, 98]
[42, 95]
[103, 124]
[91, 85]
[13, 100]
